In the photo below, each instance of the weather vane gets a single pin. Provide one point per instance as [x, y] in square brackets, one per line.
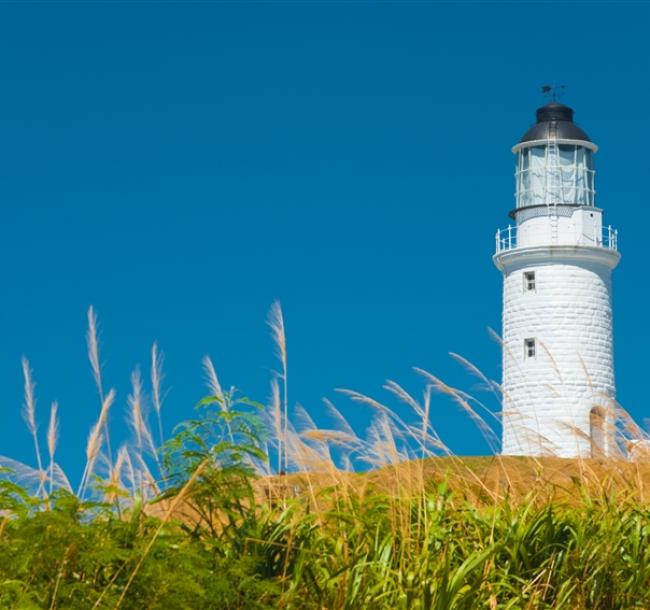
[555, 92]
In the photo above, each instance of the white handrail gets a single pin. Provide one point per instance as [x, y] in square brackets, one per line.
[506, 239]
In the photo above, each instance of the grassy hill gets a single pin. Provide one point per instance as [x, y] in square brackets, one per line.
[480, 480]
[200, 521]
[440, 533]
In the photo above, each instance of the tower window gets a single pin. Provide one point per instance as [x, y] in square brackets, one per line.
[529, 281]
[529, 348]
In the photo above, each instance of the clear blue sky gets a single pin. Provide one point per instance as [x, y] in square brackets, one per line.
[181, 165]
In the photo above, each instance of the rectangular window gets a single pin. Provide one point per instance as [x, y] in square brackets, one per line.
[529, 348]
[529, 281]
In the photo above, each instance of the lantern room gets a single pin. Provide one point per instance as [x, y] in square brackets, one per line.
[554, 161]
[554, 174]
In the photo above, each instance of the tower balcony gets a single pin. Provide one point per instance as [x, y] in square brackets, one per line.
[508, 239]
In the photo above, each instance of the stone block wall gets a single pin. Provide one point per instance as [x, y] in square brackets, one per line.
[548, 398]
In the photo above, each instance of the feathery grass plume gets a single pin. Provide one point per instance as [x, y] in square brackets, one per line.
[148, 487]
[315, 466]
[119, 463]
[497, 392]
[29, 411]
[92, 343]
[94, 444]
[402, 394]
[276, 420]
[425, 435]
[491, 385]
[28, 477]
[130, 473]
[144, 440]
[381, 436]
[344, 427]
[338, 417]
[61, 479]
[135, 408]
[307, 424]
[426, 401]
[337, 437]
[460, 399]
[53, 430]
[52, 438]
[224, 399]
[115, 480]
[381, 449]
[212, 381]
[381, 408]
[346, 445]
[275, 320]
[303, 419]
[24, 474]
[157, 377]
[630, 429]
[491, 414]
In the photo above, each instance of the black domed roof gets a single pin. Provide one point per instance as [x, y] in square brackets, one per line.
[555, 121]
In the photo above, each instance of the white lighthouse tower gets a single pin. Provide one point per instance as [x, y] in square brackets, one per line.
[557, 259]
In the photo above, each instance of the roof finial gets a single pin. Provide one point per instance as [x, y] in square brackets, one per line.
[554, 92]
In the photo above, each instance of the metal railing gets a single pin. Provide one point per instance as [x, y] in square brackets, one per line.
[506, 239]
[609, 238]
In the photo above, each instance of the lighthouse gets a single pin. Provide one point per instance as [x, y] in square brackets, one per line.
[557, 257]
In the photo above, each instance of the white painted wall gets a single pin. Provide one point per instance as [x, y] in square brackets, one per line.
[548, 398]
[564, 225]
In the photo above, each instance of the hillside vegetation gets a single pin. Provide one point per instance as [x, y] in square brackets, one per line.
[225, 539]
[244, 509]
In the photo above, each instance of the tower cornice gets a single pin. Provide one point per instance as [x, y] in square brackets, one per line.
[556, 253]
[546, 141]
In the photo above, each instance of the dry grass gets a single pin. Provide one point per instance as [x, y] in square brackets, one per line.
[481, 481]
[486, 480]
[401, 449]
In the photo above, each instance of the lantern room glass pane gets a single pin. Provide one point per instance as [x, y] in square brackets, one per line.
[555, 174]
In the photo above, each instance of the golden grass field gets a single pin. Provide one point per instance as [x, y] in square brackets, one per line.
[481, 480]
